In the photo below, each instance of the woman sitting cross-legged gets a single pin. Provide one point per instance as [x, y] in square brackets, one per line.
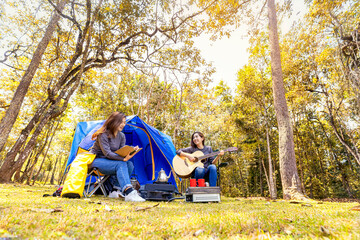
[109, 138]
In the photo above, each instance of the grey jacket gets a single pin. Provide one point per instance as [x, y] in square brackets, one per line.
[205, 150]
[106, 145]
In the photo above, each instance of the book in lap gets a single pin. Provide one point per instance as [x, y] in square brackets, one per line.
[125, 150]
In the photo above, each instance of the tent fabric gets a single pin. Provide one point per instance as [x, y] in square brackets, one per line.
[156, 154]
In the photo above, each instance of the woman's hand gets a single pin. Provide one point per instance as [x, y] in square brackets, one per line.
[218, 156]
[188, 156]
[127, 158]
[191, 158]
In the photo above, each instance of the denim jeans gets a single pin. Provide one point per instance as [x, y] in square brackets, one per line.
[122, 171]
[208, 173]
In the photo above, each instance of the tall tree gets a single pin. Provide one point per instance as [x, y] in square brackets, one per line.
[288, 170]
[12, 112]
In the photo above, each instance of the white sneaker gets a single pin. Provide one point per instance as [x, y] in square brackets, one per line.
[116, 194]
[134, 197]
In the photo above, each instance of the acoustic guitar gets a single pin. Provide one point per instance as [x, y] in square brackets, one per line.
[183, 167]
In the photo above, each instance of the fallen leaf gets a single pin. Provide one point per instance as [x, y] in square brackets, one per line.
[198, 232]
[306, 205]
[324, 230]
[356, 208]
[145, 208]
[107, 208]
[46, 210]
[289, 229]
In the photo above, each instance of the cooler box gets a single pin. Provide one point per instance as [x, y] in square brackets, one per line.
[203, 194]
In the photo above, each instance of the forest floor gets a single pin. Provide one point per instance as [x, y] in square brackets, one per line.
[26, 214]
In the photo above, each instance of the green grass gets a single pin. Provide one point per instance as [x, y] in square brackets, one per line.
[25, 214]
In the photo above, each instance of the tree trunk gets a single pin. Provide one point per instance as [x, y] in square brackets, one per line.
[272, 177]
[53, 130]
[288, 170]
[260, 179]
[344, 178]
[178, 118]
[340, 137]
[10, 165]
[245, 189]
[54, 170]
[302, 155]
[12, 112]
[62, 172]
[47, 177]
[37, 158]
[38, 172]
[27, 168]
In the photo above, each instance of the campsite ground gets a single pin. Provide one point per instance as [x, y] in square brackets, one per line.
[26, 214]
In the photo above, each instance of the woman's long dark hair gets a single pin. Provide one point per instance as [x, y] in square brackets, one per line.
[192, 137]
[111, 124]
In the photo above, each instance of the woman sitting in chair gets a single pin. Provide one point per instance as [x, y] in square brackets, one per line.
[109, 138]
[209, 169]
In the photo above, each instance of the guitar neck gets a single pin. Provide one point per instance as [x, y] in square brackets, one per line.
[210, 155]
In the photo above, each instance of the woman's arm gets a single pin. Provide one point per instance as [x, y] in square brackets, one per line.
[186, 152]
[217, 157]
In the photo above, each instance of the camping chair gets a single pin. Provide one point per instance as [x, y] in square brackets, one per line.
[99, 182]
[223, 164]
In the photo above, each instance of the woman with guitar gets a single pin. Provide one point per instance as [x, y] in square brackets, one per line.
[209, 169]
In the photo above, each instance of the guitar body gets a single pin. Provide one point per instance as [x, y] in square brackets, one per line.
[184, 167]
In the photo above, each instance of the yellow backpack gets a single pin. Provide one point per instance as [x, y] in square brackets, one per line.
[75, 180]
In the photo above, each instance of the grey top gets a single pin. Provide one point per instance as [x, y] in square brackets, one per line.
[205, 150]
[106, 145]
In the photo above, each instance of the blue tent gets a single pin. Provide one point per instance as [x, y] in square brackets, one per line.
[156, 154]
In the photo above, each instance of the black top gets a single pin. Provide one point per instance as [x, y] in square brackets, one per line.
[205, 150]
[106, 145]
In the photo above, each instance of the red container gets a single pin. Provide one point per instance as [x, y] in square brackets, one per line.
[192, 182]
[201, 182]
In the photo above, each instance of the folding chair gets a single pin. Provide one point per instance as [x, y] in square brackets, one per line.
[99, 182]
[223, 164]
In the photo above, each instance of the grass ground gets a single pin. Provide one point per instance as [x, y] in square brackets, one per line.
[26, 214]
